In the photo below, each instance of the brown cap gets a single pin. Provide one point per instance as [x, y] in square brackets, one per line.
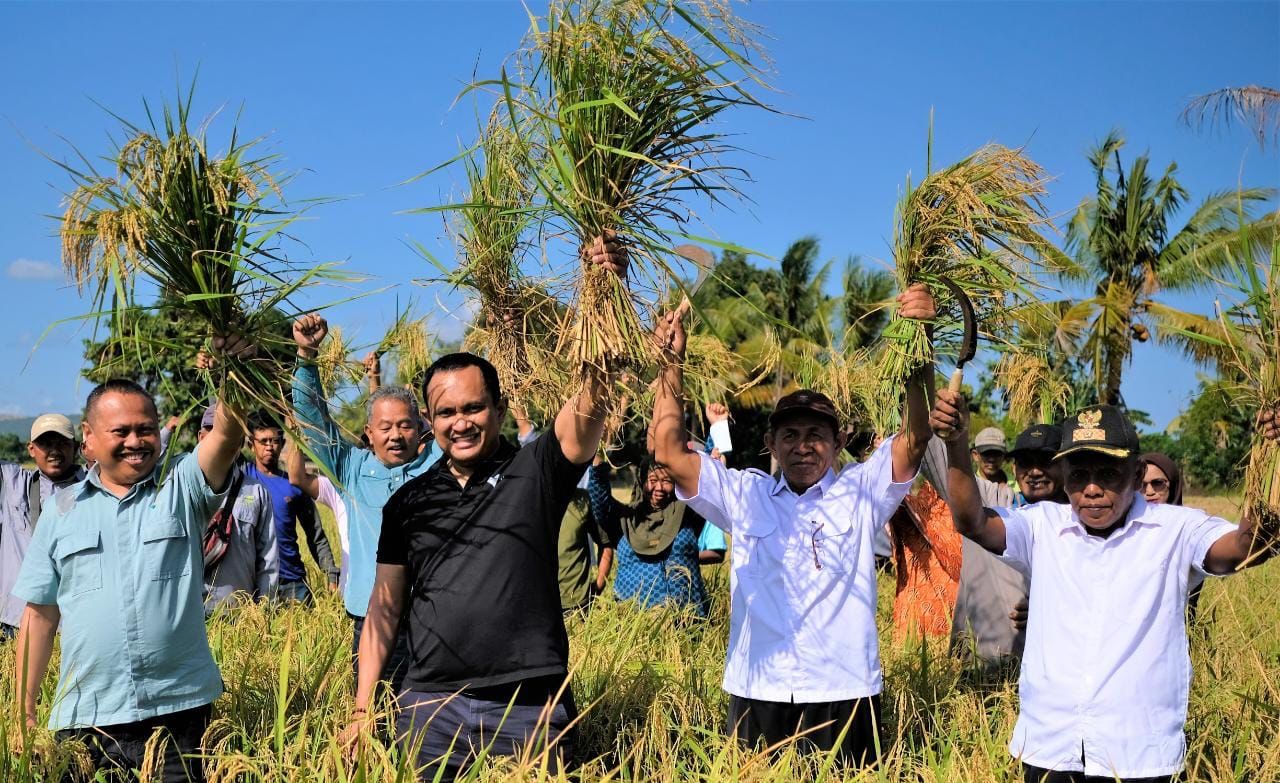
[805, 401]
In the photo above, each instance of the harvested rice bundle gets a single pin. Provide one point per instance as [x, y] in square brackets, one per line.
[851, 380]
[333, 364]
[410, 343]
[202, 228]
[978, 223]
[618, 108]
[1244, 340]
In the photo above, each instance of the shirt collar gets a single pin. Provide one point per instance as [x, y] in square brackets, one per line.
[93, 480]
[823, 485]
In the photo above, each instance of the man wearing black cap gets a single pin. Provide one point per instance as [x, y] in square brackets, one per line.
[803, 651]
[991, 604]
[1106, 672]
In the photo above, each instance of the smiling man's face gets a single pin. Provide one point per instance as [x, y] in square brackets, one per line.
[392, 431]
[123, 432]
[465, 419]
[1101, 488]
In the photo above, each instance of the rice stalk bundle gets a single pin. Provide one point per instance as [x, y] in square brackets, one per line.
[410, 342]
[1246, 345]
[616, 117]
[333, 365]
[1033, 391]
[978, 223]
[851, 380]
[202, 228]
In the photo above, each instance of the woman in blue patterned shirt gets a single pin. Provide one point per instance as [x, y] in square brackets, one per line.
[658, 550]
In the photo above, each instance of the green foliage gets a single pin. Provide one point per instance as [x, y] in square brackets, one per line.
[13, 448]
[1213, 438]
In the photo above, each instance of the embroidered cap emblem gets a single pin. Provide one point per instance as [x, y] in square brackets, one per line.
[1089, 427]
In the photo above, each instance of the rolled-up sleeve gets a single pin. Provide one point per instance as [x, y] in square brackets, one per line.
[720, 499]
[875, 477]
[1199, 534]
[1018, 539]
[38, 579]
[194, 487]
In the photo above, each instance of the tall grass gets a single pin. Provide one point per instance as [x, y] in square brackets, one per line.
[648, 684]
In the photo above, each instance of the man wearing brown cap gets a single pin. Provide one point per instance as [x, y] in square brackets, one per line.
[23, 493]
[803, 651]
[1106, 673]
[989, 451]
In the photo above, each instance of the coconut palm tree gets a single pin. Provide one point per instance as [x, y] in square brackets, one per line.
[866, 293]
[1121, 240]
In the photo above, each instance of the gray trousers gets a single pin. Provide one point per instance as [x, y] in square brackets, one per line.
[447, 730]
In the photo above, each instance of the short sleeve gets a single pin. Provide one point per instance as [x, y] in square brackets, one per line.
[38, 579]
[1018, 538]
[393, 544]
[554, 468]
[875, 480]
[1199, 533]
[722, 497]
[201, 500]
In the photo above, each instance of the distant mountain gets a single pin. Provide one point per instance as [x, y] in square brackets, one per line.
[21, 425]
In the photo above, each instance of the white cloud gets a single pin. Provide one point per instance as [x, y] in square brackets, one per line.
[27, 269]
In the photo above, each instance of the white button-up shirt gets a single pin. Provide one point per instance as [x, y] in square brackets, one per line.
[1106, 673]
[802, 620]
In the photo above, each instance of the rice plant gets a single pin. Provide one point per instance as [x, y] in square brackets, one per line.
[616, 115]
[203, 227]
[979, 223]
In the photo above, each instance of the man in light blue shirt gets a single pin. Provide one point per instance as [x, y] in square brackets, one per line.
[117, 559]
[367, 478]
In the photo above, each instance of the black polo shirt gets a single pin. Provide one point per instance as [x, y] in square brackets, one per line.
[482, 564]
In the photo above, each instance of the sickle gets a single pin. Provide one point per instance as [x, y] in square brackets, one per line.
[969, 343]
[702, 259]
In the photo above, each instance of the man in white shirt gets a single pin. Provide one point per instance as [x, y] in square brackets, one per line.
[1106, 672]
[803, 650]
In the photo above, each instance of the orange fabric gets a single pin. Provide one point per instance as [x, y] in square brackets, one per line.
[928, 565]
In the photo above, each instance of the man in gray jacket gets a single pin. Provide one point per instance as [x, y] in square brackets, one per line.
[23, 492]
[250, 568]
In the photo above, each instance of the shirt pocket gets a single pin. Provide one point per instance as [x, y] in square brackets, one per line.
[832, 550]
[755, 548]
[79, 557]
[166, 548]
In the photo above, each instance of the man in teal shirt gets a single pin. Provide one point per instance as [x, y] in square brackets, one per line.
[118, 560]
[368, 478]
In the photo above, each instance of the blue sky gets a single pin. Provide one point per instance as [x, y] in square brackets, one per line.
[358, 98]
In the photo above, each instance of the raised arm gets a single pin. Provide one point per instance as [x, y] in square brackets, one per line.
[218, 451]
[670, 439]
[579, 425]
[298, 475]
[1251, 544]
[909, 446]
[308, 399]
[950, 422]
[373, 370]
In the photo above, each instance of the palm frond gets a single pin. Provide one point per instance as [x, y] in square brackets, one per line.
[1257, 108]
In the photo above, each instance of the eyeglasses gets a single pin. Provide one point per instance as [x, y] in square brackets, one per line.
[1159, 485]
[817, 562]
[269, 441]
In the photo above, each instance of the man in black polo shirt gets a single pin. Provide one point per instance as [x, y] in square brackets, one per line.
[471, 546]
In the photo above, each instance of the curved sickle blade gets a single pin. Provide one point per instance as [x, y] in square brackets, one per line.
[969, 342]
[702, 258]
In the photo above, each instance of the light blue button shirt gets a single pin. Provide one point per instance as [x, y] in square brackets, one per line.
[365, 484]
[126, 575]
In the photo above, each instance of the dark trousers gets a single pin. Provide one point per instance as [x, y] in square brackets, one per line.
[751, 720]
[1032, 774]
[396, 666]
[447, 730]
[122, 748]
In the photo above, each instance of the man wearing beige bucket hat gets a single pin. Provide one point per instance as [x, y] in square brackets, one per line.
[23, 492]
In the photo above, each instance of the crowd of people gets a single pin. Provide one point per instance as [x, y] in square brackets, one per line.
[461, 552]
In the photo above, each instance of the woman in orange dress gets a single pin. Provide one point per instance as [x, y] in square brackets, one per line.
[927, 556]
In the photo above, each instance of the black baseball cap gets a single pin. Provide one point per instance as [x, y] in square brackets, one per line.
[805, 401]
[1101, 428]
[1045, 438]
